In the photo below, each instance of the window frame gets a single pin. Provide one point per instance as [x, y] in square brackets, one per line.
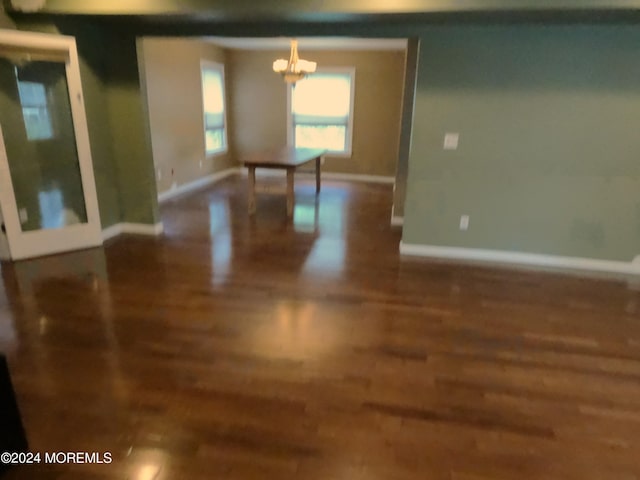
[209, 65]
[348, 150]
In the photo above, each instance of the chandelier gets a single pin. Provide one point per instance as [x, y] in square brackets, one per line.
[293, 69]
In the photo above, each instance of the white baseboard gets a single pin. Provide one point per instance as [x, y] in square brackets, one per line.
[132, 228]
[523, 259]
[351, 177]
[263, 172]
[357, 177]
[111, 232]
[397, 221]
[196, 184]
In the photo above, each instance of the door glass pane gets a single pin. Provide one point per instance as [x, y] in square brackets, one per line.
[35, 113]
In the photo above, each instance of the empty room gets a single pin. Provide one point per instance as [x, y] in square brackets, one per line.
[319, 240]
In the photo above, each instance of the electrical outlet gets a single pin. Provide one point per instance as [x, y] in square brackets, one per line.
[464, 222]
[451, 141]
[24, 216]
[159, 174]
[200, 164]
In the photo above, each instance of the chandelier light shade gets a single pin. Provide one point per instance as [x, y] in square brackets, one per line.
[293, 69]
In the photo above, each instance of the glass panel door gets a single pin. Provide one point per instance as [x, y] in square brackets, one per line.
[49, 203]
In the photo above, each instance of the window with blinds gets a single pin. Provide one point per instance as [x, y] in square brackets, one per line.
[321, 111]
[213, 102]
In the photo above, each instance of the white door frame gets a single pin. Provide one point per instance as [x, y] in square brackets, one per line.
[72, 237]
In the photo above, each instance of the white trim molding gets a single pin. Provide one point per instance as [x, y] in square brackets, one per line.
[133, 229]
[397, 221]
[523, 259]
[357, 177]
[111, 232]
[196, 184]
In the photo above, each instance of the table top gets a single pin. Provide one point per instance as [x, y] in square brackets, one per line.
[283, 157]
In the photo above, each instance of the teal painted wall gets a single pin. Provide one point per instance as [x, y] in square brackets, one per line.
[549, 154]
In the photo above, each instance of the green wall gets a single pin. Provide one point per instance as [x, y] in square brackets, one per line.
[117, 121]
[131, 137]
[549, 152]
[93, 71]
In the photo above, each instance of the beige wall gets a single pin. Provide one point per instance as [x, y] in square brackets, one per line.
[259, 109]
[173, 85]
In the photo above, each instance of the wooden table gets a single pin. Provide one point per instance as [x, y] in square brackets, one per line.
[285, 158]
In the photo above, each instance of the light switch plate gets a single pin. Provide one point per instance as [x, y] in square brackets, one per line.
[451, 141]
[464, 222]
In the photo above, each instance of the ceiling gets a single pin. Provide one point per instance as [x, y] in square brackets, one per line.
[311, 43]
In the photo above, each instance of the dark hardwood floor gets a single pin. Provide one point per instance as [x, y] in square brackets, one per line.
[247, 348]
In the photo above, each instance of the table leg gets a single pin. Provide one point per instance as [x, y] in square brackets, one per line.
[318, 163]
[252, 190]
[290, 194]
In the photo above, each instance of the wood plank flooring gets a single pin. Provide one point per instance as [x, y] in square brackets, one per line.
[256, 348]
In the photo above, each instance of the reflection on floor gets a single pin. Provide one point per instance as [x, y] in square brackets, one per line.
[256, 348]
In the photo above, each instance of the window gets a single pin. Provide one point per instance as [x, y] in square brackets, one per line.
[35, 110]
[321, 111]
[215, 133]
